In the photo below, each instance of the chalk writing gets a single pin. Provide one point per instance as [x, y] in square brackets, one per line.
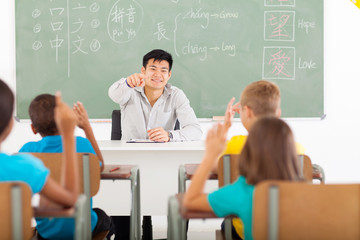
[307, 64]
[197, 20]
[176, 1]
[279, 25]
[231, 49]
[68, 31]
[95, 23]
[57, 11]
[279, 3]
[94, 7]
[95, 45]
[79, 24]
[56, 26]
[36, 13]
[194, 48]
[78, 44]
[37, 28]
[56, 43]
[198, 14]
[36, 45]
[302, 24]
[124, 20]
[225, 15]
[79, 6]
[279, 63]
[161, 31]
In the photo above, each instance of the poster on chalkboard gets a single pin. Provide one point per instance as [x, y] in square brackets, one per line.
[82, 46]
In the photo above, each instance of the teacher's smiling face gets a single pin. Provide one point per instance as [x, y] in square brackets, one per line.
[157, 74]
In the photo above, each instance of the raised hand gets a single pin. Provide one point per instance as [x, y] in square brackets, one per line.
[82, 118]
[216, 141]
[65, 118]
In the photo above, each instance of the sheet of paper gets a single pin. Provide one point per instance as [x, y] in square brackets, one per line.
[141, 141]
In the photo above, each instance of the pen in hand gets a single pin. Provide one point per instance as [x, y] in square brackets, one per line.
[114, 169]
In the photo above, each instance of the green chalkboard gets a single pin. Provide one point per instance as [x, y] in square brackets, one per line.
[82, 46]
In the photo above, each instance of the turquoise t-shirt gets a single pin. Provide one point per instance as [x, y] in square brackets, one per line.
[59, 228]
[235, 199]
[25, 168]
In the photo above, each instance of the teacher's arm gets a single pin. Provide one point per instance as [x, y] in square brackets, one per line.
[120, 91]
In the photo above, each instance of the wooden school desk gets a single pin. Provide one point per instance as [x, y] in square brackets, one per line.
[158, 164]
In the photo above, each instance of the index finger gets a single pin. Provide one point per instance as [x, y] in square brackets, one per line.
[229, 106]
[58, 99]
[142, 76]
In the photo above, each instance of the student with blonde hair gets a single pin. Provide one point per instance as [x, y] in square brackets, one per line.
[268, 154]
[258, 99]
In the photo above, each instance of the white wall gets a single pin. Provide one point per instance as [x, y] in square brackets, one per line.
[332, 142]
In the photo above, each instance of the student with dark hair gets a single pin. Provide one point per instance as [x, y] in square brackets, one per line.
[26, 168]
[41, 111]
[150, 106]
[268, 154]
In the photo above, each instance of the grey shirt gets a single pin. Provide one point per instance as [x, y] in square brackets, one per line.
[137, 115]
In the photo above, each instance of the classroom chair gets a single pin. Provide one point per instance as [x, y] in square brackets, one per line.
[178, 215]
[116, 125]
[89, 172]
[16, 211]
[298, 210]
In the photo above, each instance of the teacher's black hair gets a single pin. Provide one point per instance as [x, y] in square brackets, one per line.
[158, 55]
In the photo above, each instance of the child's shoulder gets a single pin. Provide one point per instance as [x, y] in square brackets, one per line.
[22, 159]
[84, 145]
[235, 144]
[28, 147]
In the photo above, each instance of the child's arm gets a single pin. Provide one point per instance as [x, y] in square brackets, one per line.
[229, 115]
[195, 198]
[83, 123]
[67, 193]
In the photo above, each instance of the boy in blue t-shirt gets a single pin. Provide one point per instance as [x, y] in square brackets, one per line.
[41, 113]
[27, 168]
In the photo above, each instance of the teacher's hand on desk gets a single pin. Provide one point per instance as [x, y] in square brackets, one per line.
[158, 135]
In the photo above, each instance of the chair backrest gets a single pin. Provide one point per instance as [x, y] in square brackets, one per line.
[116, 133]
[226, 164]
[16, 210]
[306, 166]
[233, 166]
[53, 162]
[293, 210]
[116, 125]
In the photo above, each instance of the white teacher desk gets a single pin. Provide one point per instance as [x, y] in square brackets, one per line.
[158, 164]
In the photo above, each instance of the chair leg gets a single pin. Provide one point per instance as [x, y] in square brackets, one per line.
[135, 222]
[174, 220]
[321, 170]
[182, 179]
[80, 218]
[17, 228]
[228, 228]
